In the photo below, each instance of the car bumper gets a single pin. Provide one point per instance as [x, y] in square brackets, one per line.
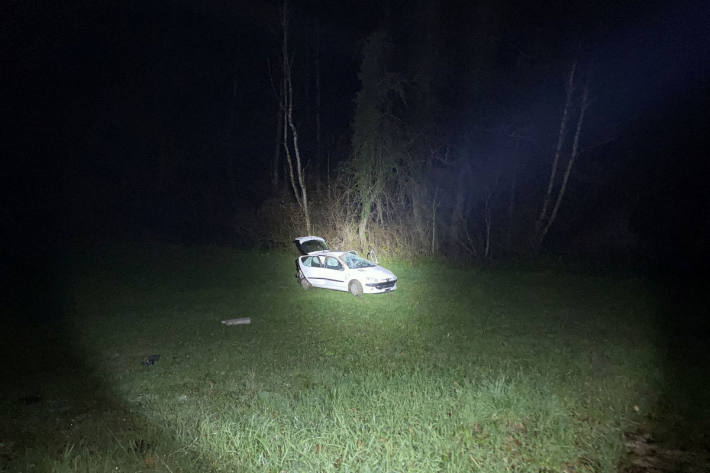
[380, 287]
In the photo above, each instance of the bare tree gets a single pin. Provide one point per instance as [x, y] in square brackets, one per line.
[560, 142]
[298, 180]
[435, 201]
[511, 209]
[487, 217]
[278, 143]
[319, 146]
[573, 157]
[457, 220]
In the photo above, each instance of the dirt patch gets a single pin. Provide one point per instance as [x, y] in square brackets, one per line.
[646, 455]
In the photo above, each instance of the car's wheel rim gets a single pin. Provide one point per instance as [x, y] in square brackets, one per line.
[355, 288]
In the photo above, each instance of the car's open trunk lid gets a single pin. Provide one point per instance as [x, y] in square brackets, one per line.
[310, 244]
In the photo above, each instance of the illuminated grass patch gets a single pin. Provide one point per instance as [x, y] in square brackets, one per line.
[480, 370]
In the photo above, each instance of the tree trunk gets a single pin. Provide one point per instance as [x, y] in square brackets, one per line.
[318, 96]
[541, 220]
[487, 221]
[327, 175]
[362, 226]
[277, 150]
[434, 205]
[457, 214]
[419, 220]
[298, 181]
[511, 210]
[570, 163]
[297, 153]
[379, 208]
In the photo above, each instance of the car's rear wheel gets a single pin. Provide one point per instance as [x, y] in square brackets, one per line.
[355, 288]
[304, 282]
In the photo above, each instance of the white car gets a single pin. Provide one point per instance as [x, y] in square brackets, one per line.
[339, 270]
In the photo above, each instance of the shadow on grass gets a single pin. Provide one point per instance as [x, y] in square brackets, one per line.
[55, 412]
[676, 436]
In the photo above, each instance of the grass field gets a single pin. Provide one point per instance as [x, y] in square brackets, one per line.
[489, 370]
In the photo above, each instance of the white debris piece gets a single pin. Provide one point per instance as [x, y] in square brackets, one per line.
[239, 321]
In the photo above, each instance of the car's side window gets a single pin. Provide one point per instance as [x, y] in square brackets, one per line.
[313, 262]
[332, 263]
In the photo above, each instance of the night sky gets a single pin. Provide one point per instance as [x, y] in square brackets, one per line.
[140, 118]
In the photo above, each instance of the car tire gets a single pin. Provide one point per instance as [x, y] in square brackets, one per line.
[304, 283]
[355, 288]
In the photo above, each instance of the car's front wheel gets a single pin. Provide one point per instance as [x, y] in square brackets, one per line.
[355, 288]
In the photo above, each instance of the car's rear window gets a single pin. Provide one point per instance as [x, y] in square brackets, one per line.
[313, 245]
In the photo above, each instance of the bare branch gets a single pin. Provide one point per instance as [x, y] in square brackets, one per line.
[298, 182]
[573, 157]
[560, 141]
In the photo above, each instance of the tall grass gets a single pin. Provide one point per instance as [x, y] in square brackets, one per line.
[458, 370]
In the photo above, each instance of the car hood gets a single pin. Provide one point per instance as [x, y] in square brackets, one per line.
[376, 272]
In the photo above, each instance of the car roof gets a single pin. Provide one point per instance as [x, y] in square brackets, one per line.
[338, 253]
[326, 253]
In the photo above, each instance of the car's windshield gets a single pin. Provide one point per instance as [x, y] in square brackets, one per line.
[354, 261]
[313, 245]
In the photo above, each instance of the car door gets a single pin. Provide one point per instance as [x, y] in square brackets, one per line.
[324, 271]
[334, 273]
[311, 267]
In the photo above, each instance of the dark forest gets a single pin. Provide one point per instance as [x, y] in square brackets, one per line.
[442, 128]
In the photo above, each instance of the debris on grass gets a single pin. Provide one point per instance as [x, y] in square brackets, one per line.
[151, 360]
[239, 321]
